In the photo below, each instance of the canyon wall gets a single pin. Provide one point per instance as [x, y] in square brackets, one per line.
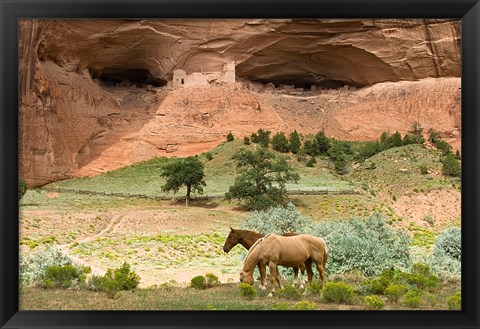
[96, 95]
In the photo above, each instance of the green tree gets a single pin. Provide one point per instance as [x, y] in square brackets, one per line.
[280, 142]
[262, 137]
[433, 135]
[187, 172]
[336, 153]
[451, 166]
[321, 143]
[294, 143]
[384, 140]
[443, 146]
[230, 137]
[415, 135]
[261, 178]
[368, 150]
[395, 140]
[22, 189]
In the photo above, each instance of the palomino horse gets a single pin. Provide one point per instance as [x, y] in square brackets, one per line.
[274, 250]
[247, 238]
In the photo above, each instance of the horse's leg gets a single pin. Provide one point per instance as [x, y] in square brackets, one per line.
[278, 279]
[273, 276]
[302, 271]
[308, 267]
[263, 275]
[321, 271]
[295, 275]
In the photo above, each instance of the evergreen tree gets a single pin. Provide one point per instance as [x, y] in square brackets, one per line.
[294, 143]
[280, 142]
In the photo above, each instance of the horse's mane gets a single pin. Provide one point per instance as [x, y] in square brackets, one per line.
[256, 243]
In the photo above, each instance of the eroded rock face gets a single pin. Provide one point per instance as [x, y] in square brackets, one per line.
[94, 94]
[324, 52]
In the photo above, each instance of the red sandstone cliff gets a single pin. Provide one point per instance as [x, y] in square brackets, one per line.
[94, 95]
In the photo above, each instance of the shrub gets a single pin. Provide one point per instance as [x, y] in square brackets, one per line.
[423, 169]
[373, 302]
[395, 291]
[431, 299]
[22, 189]
[33, 267]
[211, 280]
[314, 288]
[443, 146]
[455, 301]
[413, 298]
[247, 291]
[375, 286]
[127, 280]
[246, 140]
[311, 163]
[198, 282]
[420, 276]
[338, 292]
[280, 142]
[230, 137]
[433, 135]
[421, 269]
[289, 292]
[115, 280]
[277, 220]
[415, 135]
[368, 245]
[301, 155]
[432, 282]
[63, 276]
[368, 150]
[209, 156]
[451, 166]
[447, 253]
[394, 140]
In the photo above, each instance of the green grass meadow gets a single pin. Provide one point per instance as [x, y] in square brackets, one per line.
[167, 243]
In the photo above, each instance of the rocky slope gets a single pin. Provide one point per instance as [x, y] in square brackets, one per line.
[95, 94]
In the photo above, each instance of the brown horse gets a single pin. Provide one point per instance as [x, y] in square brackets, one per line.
[274, 250]
[247, 238]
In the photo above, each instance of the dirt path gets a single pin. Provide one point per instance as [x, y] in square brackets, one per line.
[97, 269]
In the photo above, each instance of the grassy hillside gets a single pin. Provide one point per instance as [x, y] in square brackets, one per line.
[144, 177]
[398, 171]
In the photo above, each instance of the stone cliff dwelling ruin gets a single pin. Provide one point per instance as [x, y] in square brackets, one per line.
[182, 79]
[129, 90]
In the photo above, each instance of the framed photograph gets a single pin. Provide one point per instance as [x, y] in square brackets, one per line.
[239, 164]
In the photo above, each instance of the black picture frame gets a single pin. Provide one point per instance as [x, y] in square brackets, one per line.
[13, 10]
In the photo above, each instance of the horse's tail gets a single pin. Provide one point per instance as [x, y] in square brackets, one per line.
[325, 253]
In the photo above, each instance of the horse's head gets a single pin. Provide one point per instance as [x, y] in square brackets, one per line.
[232, 240]
[246, 278]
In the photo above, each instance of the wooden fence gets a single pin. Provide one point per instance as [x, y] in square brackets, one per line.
[201, 197]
